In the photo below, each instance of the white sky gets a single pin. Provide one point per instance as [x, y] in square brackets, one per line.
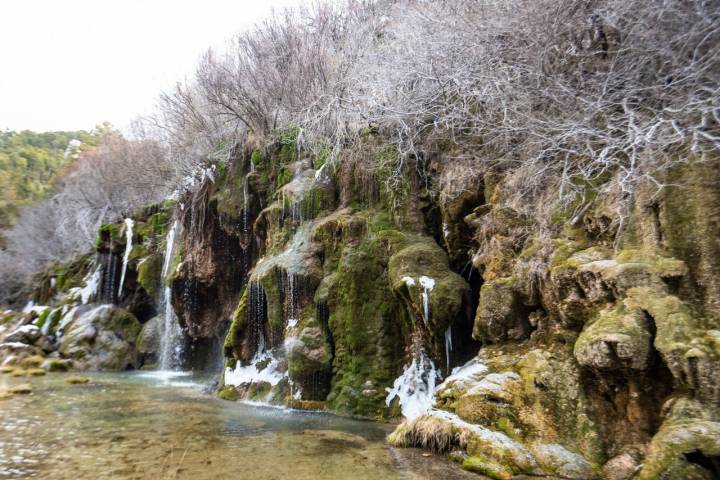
[71, 64]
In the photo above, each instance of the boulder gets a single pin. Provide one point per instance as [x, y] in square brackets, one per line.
[27, 334]
[618, 339]
[101, 337]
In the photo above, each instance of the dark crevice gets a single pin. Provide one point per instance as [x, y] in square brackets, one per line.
[711, 463]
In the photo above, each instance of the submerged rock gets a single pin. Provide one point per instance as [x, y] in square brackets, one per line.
[57, 365]
[22, 389]
[75, 380]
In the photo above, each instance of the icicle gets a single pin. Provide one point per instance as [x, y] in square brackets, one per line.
[448, 345]
[427, 284]
[128, 248]
[92, 282]
[245, 374]
[415, 388]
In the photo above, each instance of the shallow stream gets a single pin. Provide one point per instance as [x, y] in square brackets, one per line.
[156, 426]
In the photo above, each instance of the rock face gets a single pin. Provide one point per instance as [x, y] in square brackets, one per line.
[100, 337]
[591, 325]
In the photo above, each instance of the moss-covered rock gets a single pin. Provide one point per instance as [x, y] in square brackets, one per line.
[500, 315]
[484, 466]
[309, 352]
[232, 345]
[229, 393]
[76, 380]
[148, 341]
[689, 348]
[420, 275]
[687, 436]
[366, 321]
[21, 389]
[617, 339]
[148, 273]
[101, 337]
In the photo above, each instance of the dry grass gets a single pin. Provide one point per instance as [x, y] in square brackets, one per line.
[427, 432]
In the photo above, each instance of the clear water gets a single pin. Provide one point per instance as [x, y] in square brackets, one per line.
[160, 425]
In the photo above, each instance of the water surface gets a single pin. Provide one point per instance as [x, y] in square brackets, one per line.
[150, 425]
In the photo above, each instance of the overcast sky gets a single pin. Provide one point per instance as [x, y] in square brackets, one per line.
[71, 64]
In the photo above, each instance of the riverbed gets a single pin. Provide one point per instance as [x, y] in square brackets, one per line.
[154, 425]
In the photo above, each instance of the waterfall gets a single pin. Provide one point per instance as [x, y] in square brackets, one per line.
[291, 300]
[128, 248]
[264, 366]
[245, 206]
[108, 292]
[448, 345]
[415, 388]
[170, 332]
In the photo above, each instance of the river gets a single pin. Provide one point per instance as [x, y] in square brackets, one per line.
[150, 425]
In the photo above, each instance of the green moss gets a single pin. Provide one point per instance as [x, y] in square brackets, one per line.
[627, 331]
[258, 158]
[283, 177]
[40, 321]
[416, 257]
[175, 263]
[33, 361]
[149, 270]
[233, 338]
[74, 380]
[484, 466]
[288, 146]
[110, 232]
[125, 323]
[57, 365]
[687, 429]
[228, 392]
[322, 157]
[367, 324]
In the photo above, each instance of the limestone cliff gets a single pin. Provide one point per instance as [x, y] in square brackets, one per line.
[589, 334]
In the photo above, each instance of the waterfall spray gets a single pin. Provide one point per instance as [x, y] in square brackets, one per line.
[128, 248]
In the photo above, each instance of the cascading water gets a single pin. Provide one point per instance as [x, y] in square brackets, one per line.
[264, 366]
[291, 300]
[170, 332]
[108, 292]
[128, 248]
[245, 206]
[448, 345]
[256, 315]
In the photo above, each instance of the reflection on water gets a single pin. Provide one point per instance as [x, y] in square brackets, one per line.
[159, 425]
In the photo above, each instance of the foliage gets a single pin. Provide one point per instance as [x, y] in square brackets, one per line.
[30, 163]
[106, 182]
